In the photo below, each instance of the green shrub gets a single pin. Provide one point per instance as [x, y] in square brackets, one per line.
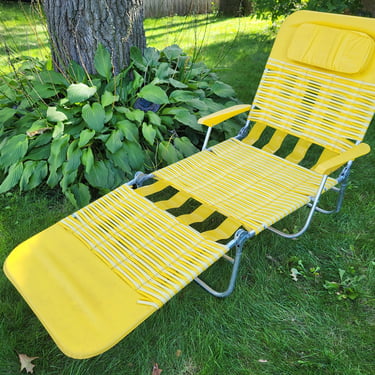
[282, 8]
[88, 134]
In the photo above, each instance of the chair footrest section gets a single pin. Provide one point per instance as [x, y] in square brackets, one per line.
[97, 274]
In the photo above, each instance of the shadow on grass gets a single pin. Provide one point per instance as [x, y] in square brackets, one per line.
[240, 63]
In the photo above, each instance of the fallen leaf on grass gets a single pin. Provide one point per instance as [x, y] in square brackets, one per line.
[26, 362]
[156, 370]
[294, 273]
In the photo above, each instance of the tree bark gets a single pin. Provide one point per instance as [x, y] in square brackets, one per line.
[76, 27]
[235, 7]
[369, 6]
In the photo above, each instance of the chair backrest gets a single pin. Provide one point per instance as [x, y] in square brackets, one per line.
[319, 81]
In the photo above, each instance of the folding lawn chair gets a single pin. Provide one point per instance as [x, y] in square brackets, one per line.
[97, 274]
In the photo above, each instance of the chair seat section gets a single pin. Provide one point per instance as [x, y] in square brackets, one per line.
[245, 183]
[97, 274]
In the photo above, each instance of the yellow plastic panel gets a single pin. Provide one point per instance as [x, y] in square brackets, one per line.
[291, 25]
[331, 48]
[225, 114]
[84, 306]
[336, 162]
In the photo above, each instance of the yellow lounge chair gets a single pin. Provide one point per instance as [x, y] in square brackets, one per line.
[97, 274]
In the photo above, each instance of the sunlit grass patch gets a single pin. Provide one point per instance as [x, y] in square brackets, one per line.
[273, 323]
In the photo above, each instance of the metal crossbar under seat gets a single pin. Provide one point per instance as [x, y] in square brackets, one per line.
[96, 275]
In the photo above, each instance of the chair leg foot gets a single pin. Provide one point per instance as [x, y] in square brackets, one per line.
[236, 262]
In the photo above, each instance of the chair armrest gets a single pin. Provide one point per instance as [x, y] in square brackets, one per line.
[336, 162]
[225, 114]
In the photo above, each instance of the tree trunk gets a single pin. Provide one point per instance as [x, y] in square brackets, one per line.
[369, 6]
[235, 7]
[76, 27]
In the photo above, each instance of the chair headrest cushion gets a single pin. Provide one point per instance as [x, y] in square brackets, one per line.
[331, 48]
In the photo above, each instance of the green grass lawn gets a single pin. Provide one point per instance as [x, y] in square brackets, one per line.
[271, 324]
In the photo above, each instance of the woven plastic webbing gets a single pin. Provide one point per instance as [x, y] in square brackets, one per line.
[244, 183]
[147, 247]
[328, 110]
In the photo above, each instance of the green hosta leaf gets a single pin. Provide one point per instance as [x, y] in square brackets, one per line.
[54, 177]
[94, 116]
[212, 105]
[186, 118]
[114, 142]
[168, 153]
[87, 159]
[122, 109]
[108, 98]
[98, 175]
[76, 72]
[85, 137]
[137, 57]
[137, 81]
[177, 84]
[184, 145]
[163, 71]
[58, 130]
[222, 89]
[154, 118]
[42, 90]
[79, 92]
[12, 178]
[50, 76]
[172, 52]
[149, 133]
[34, 172]
[135, 155]
[198, 69]
[40, 140]
[182, 96]
[168, 121]
[39, 153]
[59, 148]
[78, 194]
[38, 127]
[129, 129]
[53, 115]
[154, 94]
[173, 110]
[69, 176]
[102, 62]
[13, 150]
[108, 115]
[8, 92]
[73, 156]
[103, 175]
[135, 115]
[103, 137]
[151, 56]
[6, 114]
[199, 105]
[120, 159]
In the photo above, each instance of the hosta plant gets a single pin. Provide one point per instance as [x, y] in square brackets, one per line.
[87, 134]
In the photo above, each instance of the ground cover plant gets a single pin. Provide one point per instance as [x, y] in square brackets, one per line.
[88, 133]
[300, 307]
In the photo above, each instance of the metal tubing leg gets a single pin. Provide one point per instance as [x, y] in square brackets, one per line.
[241, 237]
[339, 201]
[311, 213]
[343, 180]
